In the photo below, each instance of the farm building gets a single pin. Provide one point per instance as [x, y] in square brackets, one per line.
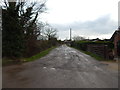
[116, 40]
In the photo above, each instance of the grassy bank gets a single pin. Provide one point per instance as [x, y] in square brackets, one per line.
[39, 55]
[93, 55]
[6, 61]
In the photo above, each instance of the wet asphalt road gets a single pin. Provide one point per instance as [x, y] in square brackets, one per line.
[63, 67]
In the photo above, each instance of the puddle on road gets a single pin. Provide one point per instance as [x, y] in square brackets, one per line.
[65, 54]
[44, 67]
[73, 51]
[49, 68]
[97, 68]
[67, 57]
[52, 68]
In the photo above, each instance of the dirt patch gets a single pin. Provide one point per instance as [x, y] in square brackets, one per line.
[111, 65]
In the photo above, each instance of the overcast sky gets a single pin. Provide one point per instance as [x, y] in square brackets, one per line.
[88, 18]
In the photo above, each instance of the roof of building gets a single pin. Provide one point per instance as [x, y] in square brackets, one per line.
[114, 34]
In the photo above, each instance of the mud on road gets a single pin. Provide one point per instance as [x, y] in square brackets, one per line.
[63, 67]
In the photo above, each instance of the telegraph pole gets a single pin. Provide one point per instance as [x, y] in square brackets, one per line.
[70, 34]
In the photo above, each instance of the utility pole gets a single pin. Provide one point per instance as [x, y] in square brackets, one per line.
[70, 34]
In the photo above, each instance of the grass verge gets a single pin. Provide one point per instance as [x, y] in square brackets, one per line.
[93, 55]
[39, 55]
[6, 62]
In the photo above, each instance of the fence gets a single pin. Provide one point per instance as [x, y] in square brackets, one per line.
[98, 49]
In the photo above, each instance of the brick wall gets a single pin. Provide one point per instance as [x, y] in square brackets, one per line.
[116, 39]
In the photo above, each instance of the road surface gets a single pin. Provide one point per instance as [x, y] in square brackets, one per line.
[63, 67]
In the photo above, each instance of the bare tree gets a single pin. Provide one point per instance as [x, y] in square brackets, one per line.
[50, 32]
[78, 38]
[40, 29]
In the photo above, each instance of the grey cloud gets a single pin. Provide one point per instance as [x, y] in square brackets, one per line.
[102, 25]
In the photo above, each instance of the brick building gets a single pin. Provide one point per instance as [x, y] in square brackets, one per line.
[116, 40]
